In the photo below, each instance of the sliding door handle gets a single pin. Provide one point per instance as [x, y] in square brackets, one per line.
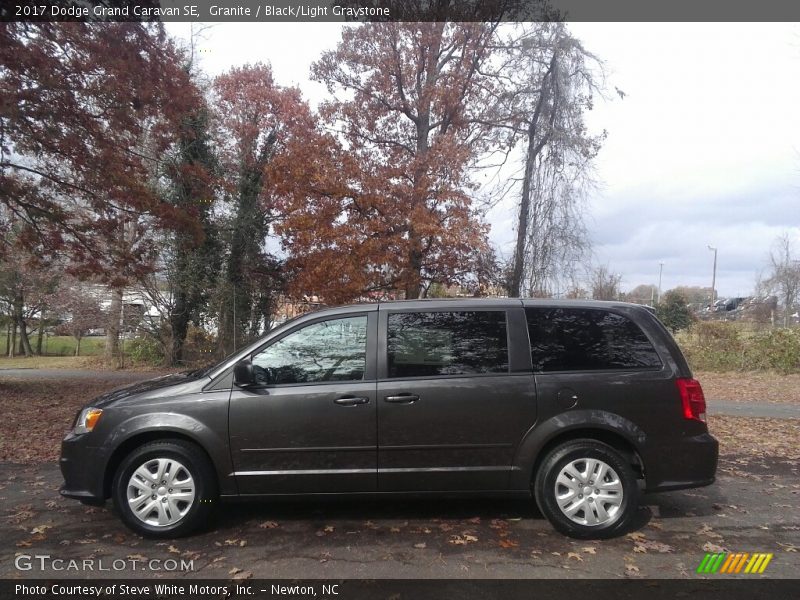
[402, 399]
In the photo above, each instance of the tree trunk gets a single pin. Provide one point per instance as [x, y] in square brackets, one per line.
[78, 346]
[12, 339]
[515, 290]
[40, 333]
[112, 354]
[19, 317]
[179, 326]
[414, 277]
[534, 147]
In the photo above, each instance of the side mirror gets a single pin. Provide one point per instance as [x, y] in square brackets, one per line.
[243, 374]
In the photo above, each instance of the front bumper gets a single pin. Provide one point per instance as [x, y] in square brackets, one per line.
[83, 468]
[682, 463]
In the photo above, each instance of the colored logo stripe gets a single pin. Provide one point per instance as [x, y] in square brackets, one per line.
[725, 562]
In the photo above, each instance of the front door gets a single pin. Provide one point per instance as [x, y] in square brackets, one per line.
[452, 403]
[310, 424]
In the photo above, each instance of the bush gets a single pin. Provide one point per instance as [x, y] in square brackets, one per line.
[719, 346]
[199, 346]
[145, 350]
[674, 312]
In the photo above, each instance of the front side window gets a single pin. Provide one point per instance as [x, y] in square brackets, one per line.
[333, 350]
[429, 344]
[577, 339]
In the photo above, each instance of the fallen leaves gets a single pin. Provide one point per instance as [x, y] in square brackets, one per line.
[463, 540]
[575, 556]
[709, 547]
[268, 525]
[23, 513]
[137, 557]
[55, 403]
[632, 570]
[645, 545]
[749, 387]
[240, 574]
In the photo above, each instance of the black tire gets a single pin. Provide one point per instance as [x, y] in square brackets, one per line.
[194, 461]
[559, 458]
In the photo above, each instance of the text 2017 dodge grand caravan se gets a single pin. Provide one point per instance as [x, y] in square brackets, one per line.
[576, 404]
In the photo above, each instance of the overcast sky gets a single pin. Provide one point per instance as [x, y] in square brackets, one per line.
[704, 148]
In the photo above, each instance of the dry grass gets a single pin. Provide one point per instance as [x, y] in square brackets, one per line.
[751, 387]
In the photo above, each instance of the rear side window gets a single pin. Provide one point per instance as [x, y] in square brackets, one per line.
[577, 339]
[429, 344]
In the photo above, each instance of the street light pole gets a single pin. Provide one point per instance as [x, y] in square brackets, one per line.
[713, 276]
[660, 271]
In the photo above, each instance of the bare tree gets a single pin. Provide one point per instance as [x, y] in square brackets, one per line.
[82, 311]
[784, 277]
[549, 82]
[604, 284]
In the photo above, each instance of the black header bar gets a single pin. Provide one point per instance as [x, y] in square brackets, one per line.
[399, 10]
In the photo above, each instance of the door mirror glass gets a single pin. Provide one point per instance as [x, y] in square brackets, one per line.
[243, 374]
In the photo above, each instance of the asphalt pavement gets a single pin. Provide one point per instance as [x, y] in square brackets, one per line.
[753, 507]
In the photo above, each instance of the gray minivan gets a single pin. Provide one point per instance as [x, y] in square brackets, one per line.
[580, 405]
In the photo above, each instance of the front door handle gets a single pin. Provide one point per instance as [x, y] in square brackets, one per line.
[402, 399]
[352, 400]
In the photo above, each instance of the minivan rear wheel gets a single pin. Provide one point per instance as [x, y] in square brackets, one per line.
[587, 489]
[165, 489]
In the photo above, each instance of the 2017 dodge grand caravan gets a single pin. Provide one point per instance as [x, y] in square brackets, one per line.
[579, 405]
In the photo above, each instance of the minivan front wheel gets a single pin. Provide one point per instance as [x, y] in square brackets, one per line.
[165, 488]
[587, 489]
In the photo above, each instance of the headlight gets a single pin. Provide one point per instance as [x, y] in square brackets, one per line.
[87, 420]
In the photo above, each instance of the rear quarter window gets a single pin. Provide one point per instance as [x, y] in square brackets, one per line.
[587, 339]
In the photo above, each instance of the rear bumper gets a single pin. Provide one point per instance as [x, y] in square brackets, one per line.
[681, 464]
[82, 467]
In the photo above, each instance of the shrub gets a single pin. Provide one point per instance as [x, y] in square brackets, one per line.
[719, 346]
[674, 312]
[145, 350]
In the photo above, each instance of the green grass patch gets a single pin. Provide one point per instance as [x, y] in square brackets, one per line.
[50, 362]
[63, 345]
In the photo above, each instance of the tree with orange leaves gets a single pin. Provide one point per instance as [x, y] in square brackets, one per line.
[397, 213]
[265, 132]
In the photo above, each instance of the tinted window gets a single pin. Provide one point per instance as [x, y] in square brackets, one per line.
[572, 339]
[427, 344]
[333, 350]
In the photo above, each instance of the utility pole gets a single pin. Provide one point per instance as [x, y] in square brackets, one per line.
[713, 276]
[660, 271]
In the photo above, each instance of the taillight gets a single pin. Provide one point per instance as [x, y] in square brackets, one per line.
[692, 399]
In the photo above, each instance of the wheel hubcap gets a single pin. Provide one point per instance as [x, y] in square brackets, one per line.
[589, 492]
[161, 491]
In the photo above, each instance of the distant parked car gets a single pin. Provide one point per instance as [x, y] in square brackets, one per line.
[575, 404]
